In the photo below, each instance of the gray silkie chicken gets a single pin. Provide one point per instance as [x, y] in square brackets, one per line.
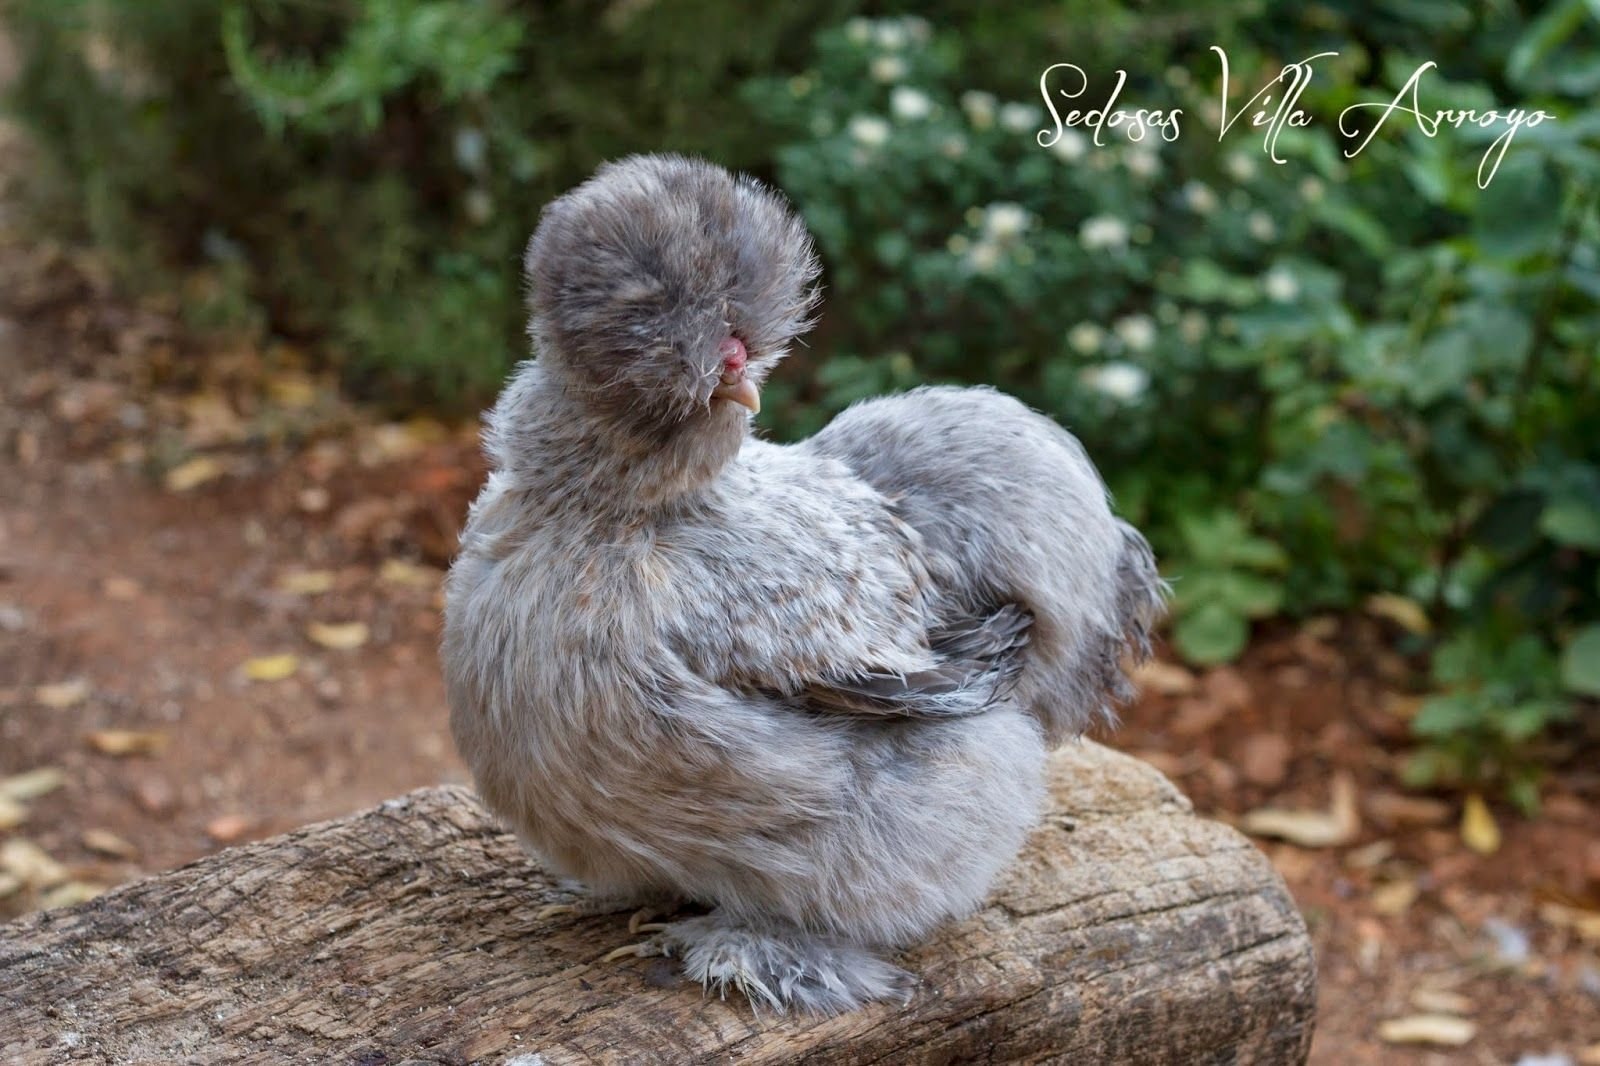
[810, 687]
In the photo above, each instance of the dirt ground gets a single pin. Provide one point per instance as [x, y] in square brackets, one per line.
[219, 615]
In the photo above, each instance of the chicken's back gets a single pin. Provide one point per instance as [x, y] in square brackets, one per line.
[1011, 509]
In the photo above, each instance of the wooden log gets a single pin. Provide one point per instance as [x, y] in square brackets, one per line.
[1129, 931]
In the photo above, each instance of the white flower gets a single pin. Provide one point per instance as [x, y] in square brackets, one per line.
[1192, 326]
[869, 130]
[1020, 118]
[1280, 285]
[983, 257]
[1261, 226]
[858, 30]
[1142, 162]
[1199, 197]
[890, 34]
[1070, 145]
[953, 147]
[1103, 231]
[1310, 189]
[888, 68]
[919, 28]
[908, 104]
[958, 243]
[1123, 382]
[1086, 337]
[1004, 221]
[979, 107]
[1136, 331]
[1241, 166]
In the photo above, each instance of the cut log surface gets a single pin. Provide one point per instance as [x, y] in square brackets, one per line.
[1128, 931]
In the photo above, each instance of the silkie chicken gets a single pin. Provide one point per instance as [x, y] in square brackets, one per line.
[810, 688]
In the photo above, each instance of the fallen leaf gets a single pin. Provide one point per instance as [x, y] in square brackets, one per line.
[1169, 679]
[1440, 1001]
[1197, 715]
[105, 842]
[227, 828]
[314, 499]
[1441, 1029]
[340, 636]
[1589, 1056]
[32, 784]
[1405, 613]
[1228, 687]
[1311, 829]
[271, 667]
[401, 572]
[154, 795]
[70, 894]
[62, 694]
[292, 389]
[10, 885]
[120, 588]
[305, 582]
[31, 864]
[210, 420]
[1264, 759]
[125, 742]
[1585, 923]
[1478, 828]
[1394, 897]
[1393, 808]
[193, 473]
[1369, 855]
[12, 813]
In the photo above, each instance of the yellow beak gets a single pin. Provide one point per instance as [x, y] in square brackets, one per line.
[741, 391]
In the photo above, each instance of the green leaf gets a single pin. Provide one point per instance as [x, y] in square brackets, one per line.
[1517, 213]
[1211, 634]
[1580, 662]
[1252, 595]
[1573, 522]
[1442, 716]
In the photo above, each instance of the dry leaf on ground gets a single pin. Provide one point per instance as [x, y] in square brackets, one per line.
[31, 864]
[70, 894]
[31, 784]
[1441, 1029]
[305, 582]
[1440, 1001]
[1479, 830]
[1338, 825]
[62, 694]
[1394, 808]
[1169, 679]
[402, 572]
[105, 842]
[227, 828]
[340, 636]
[1405, 613]
[12, 813]
[271, 667]
[125, 742]
[1394, 897]
[193, 473]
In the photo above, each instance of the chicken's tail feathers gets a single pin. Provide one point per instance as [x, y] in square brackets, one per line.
[1141, 601]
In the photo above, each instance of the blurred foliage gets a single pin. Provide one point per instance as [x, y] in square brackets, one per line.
[1312, 382]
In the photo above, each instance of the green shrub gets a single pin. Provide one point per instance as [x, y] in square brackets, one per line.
[1313, 382]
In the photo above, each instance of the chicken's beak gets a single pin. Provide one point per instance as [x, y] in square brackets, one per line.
[741, 390]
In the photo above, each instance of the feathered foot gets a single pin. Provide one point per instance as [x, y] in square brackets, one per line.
[781, 969]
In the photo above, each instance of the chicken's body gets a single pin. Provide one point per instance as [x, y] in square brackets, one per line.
[798, 684]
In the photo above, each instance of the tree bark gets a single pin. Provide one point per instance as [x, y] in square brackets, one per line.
[1128, 931]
